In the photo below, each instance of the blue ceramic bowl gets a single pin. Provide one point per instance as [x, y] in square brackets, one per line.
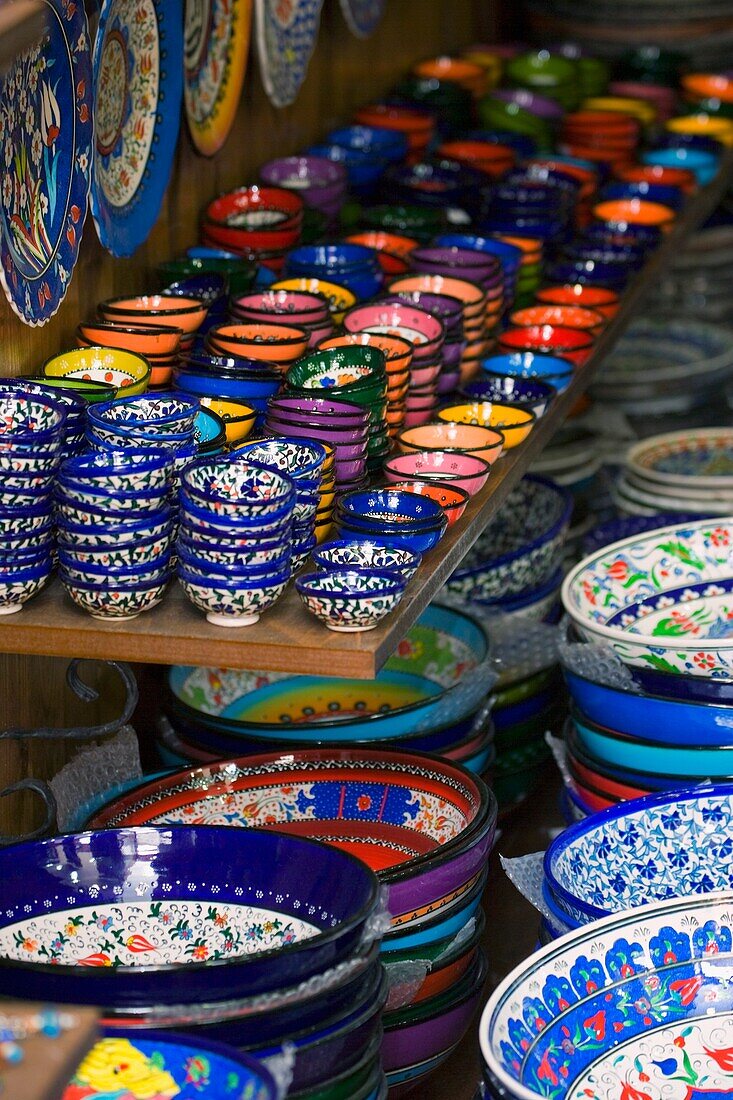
[684, 761]
[529, 364]
[702, 163]
[363, 168]
[301, 459]
[342, 258]
[237, 490]
[212, 554]
[31, 419]
[293, 908]
[209, 286]
[387, 509]
[33, 540]
[648, 849]
[703, 142]
[203, 521]
[447, 922]
[524, 145]
[667, 194]
[618, 257]
[70, 510]
[126, 471]
[107, 575]
[152, 526]
[529, 393]
[19, 583]
[366, 554]
[114, 501]
[269, 572]
[150, 412]
[231, 600]
[185, 1066]
[351, 600]
[604, 233]
[588, 272]
[115, 601]
[419, 541]
[143, 551]
[375, 140]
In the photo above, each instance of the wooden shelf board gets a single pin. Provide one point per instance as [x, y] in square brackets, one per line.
[287, 638]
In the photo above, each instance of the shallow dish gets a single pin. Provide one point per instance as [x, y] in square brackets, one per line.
[115, 887]
[348, 600]
[701, 459]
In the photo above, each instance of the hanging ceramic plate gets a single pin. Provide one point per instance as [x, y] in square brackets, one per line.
[286, 37]
[138, 84]
[216, 42]
[45, 144]
[363, 16]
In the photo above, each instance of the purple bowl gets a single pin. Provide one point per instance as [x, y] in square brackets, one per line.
[453, 351]
[448, 381]
[317, 176]
[341, 436]
[449, 310]
[539, 105]
[464, 263]
[310, 408]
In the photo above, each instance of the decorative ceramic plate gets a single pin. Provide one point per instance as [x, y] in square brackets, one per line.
[138, 83]
[215, 47]
[45, 136]
[363, 16]
[286, 37]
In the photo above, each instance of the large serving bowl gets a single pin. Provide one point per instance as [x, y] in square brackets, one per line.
[660, 599]
[98, 917]
[125, 1063]
[644, 1003]
[652, 848]
[423, 825]
[522, 547]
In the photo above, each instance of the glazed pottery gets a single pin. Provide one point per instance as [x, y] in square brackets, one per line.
[350, 600]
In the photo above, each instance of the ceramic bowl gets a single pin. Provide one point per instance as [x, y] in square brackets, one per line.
[666, 617]
[424, 331]
[348, 369]
[19, 584]
[366, 554]
[153, 340]
[390, 510]
[238, 417]
[676, 837]
[128, 373]
[528, 393]
[451, 499]
[299, 459]
[468, 439]
[514, 422]
[140, 552]
[548, 368]
[168, 311]
[521, 550]
[73, 500]
[171, 414]
[555, 340]
[232, 601]
[637, 957]
[316, 923]
[348, 600]
[121, 471]
[273, 343]
[30, 420]
[114, 601]
[125, 1060]
[236, 489]
[446, 467]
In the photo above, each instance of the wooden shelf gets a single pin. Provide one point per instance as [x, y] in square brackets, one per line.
[287, 638]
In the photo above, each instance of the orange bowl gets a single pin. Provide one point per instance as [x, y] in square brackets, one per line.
[382, 241]
[486, 443]
[469, 74]
[146, 340]
[281, 344]
[161, 310]
[635, 212]
[597, 298]
[573, 316]
[709, 86]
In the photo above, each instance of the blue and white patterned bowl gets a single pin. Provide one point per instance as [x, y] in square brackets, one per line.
[666, 845]
[299, 458]
[521, 548]
[107, 575]
[231, 601]
[28, 419]
[120, 471]
[136, 552]
[164, 413]
[20, 582]
[115, 502]
[348, 600]
[662, 600]
[97, 536]
[635, 1005]
[215, 554]
[235, 489]
[176, 916]
[366, 554]
[114, 601]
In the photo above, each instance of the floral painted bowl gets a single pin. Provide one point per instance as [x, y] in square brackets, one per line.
[451, 499]
[447, 467]
[290, 909]
[130, 470]
[298, 458]
[140, 551]
[29, 419]
[528, 393]
[17, 586]
[343, 368]
[667, 845]
[128, 1062]
[522, 548]
[232, 600]
[389, 509]
[659, 599]
[166, 413]
[230, 487]
[115, 601]
[366, 554]
[355, 798]
[127, 372]
[349, 601]
[648, 975]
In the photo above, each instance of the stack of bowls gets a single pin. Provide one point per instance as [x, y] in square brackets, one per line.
[122, 372]
[531, 268]
[513, 118]
[235, 544]
[417, 125]
[544, 207]
[491, 158]
[605, 302]
[309, 312]
[509, 256]
[685, 471]
[166, 421]
[455, 439]
[475, 311]
[396, 518]
[351, 265]
[303, 462]
[115, 525]
[31, 441]
[279, 945]
[356, 374]
[571, 344]
[266, 341]
[228, 378]
[171, 311]
[611, 976]
[71, 402]
[551, 75]
[449, 311]
[238, 274]
[259, 223]
[398, 358]
[342, 425]
[393, 249]
[319, 181]
[158, 344]
[338, 296]
[605, 137]
[567, 316]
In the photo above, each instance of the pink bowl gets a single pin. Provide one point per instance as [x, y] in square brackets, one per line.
[298, 307]
[425, 332]
[416, 418]
[424, 375]
[464, 471]
[486, 443]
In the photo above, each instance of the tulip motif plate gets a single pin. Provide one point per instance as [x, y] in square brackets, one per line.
[286, 37]
[138, 84]
[216, 42]
[45, 143]
[363, 16]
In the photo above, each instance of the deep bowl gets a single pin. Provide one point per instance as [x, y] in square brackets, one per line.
[366, 554]
[468, 439]
[389, 509]
[529, 393]
[128, 373]
[448, 467]
[529, 364]
[513, 421]
[349, 600]
[235, 489]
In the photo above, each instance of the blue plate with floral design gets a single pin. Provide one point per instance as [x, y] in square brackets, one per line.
[286, 37]
[46, 138]
[363, 16]
[138, 85]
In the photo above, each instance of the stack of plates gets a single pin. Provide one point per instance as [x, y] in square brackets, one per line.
[686, 471]
[699, 281]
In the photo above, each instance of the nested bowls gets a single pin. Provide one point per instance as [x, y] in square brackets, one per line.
[446, 467]
[468, 439]
[127, 372]
[96, 918]
[398, 518]
[366, 554]
[513, 421]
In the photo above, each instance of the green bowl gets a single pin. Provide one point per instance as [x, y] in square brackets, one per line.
[358, 371]
[421, 222]
[92, 392]
[494, 114]
[239, 274]
[547, 74]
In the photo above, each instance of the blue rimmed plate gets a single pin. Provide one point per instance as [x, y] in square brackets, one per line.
[138, 84]
[45, 143]
[216, 44]
[286, 37]
[363, 16]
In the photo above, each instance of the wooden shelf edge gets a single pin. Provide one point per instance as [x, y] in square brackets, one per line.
[288, 639]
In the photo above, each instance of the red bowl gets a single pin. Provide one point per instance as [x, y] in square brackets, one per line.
[256, 208]
[569, 343]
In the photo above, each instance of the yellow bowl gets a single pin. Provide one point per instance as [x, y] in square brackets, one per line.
[340, 298]
[322, 531]
[238, 417]
[641, 109]
[721, 129]
[128, 372]
[514, 422]
[325, 499]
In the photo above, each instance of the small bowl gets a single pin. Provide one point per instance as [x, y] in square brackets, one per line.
[568, 343]
[526, 393]
[513, 421]
[366, 554]
[605, 302]
[635, 212]
[470, 439]
[161, 310]
[451, 499]
[141, 339]
[236, 490]
[349, 601]
[127, 372]
[281, 344]
[445, 467]
[569, 316]
[118, 602]
[530, 364]
[238, 417]
[339, 297]
[389, 510]
[421, 329]
[18, 585]
[231, 602]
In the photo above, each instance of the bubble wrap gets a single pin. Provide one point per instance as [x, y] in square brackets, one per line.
[559, 750]
[527, 874]
[405, 978]
[520, 647]
[281, 1067]
[98, 769]
[380, 922]
[594, 661]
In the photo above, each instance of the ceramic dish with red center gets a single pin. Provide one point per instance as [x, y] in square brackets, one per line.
[485, 443]
[446, 467]
[451, 499]
[425, 332]
[567, 343]
[161, 310]
[424, 825]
